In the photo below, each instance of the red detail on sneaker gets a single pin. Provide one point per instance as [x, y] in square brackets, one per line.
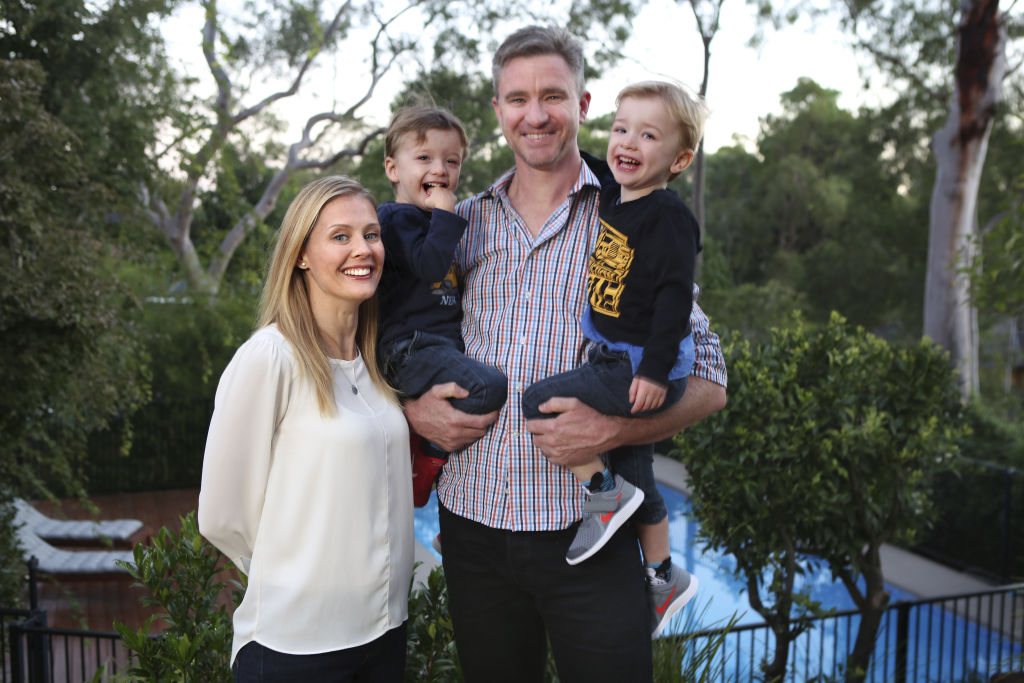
[606, 516]
[664, 606]
[425, 469]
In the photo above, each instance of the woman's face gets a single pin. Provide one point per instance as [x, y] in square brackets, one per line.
[343, 257]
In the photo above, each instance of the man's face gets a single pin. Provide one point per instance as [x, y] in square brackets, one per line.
[540, 111]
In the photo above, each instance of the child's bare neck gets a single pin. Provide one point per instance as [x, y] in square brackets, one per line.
[628, 195]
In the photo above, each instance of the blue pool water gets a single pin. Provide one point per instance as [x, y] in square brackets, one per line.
[722, 596]
[723, 593]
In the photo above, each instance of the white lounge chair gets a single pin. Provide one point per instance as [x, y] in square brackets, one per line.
[70, 563]
[68, 531]
[32, 526]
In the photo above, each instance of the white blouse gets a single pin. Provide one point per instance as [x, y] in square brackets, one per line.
[317, 511]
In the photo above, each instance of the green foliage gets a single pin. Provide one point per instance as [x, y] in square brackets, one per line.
[107, 80]
[12, 569]
[686, 659]
[819, 211]
[826, 449]
[997, 283]
[160, 445]
[983, 498]
[71, 346]
[431, 646]
[183, 574]
[751, 310]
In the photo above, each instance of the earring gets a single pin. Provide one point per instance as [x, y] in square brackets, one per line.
[302, 264]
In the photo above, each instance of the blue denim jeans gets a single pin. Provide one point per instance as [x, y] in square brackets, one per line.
[379, 661]
[419, 362]
[603, 384]
[512, 592]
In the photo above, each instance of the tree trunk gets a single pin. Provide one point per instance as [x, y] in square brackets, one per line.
[876, 599]
[777, 617]
[950, 319]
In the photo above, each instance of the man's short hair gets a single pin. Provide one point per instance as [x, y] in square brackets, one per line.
[688, 111]
[534, 41]
[418, 120]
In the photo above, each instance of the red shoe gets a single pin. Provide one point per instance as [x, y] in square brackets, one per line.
[425, 469]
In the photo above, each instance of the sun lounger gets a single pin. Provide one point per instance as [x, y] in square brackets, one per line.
[34, 528]
[72, 532]
[70, 563]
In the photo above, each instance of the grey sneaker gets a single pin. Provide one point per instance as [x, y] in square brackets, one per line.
[603, 513]
[668, 597]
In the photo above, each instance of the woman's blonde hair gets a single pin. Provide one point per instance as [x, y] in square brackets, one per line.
[285, 297]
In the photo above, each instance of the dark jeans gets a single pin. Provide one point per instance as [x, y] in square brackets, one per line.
[379, 661]
[603, 384]
[418, 363]
[508, 590]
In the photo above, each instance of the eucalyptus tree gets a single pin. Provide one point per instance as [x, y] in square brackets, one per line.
[947, 63]
[270, 53]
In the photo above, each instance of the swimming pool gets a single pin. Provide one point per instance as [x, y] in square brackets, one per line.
[724, 593]
[721, 595]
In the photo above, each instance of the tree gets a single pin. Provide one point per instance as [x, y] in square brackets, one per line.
[825, 452]
[283, 44]
[960, 146]
[707, 14]
[946, 62]
[70, 345]
[818, 211]
[108, 81]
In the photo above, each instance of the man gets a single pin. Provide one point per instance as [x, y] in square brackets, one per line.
[508, 505]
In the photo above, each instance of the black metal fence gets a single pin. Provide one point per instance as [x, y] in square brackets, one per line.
[40, 654]
[8, 616]
[167, 439]
[979, 506]
[33, 652]
[963, 638]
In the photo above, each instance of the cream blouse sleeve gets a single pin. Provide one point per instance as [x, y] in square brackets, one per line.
[251, 398]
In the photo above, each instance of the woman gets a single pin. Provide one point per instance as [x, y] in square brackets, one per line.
[306, 477]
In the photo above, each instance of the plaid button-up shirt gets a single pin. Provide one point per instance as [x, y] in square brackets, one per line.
[522, 302]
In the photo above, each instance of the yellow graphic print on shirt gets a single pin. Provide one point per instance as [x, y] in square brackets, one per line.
[447, 289]
[609, 266]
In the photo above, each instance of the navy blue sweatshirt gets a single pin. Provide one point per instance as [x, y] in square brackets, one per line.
[419, 289]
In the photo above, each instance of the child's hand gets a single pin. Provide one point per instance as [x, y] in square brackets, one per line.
[440, 198]
[645, 394]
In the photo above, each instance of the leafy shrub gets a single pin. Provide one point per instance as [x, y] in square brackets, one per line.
[431, 647]
[183, 574]
[187, 577]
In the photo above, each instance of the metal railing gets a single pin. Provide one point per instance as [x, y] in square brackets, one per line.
[7, 616]
[35, 653]
[969, 637]
[978, 537]
[40, 654]
[961, 638]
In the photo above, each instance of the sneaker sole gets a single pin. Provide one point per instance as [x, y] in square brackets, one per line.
[677, 605]
[618, 519]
